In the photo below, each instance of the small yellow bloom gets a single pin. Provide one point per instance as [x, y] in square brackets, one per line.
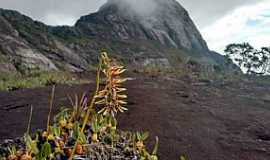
[140, 145]
[63, 123]
[26, 157]
[50, 137]
[45, 134]
[113, 128]
[154, 157]
[69, 125]
[94, 137]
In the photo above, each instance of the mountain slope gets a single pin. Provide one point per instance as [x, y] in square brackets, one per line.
[160, 36]
[168, 23]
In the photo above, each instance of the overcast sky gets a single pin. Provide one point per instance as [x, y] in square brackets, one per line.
[220, 21]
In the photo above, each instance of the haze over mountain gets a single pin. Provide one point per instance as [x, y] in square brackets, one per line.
[161, 36]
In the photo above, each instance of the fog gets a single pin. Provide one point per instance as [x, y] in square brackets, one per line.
[140, 7]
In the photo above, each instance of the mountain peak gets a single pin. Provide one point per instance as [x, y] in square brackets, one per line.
[164, 21]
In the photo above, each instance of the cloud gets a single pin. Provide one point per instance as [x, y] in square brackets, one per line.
[59, 19]
[140, 7]
[245, 24]
[53, 12]
[206, 12]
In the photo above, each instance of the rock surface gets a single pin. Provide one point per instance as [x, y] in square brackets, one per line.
[210, 121]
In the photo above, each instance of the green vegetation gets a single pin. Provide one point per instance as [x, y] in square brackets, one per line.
[89, 127]
[11, 82]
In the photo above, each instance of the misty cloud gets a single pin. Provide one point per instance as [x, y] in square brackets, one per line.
[141, 7]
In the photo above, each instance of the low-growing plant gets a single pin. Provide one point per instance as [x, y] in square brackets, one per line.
[9, 82]
[88, 125]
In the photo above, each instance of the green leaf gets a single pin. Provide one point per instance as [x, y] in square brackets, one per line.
[182, 158]
[56, 131]
[46, 150]
[154, 152]
[31, 146]
[145, 135]
[76, 130]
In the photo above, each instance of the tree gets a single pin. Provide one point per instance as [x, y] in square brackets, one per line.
[265, 59]
[251, 60]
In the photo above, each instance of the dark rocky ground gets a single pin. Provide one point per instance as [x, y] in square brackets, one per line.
[203, 121]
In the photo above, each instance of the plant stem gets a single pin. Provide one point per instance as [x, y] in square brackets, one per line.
[51, 105]
[88, 110]
[29, 121]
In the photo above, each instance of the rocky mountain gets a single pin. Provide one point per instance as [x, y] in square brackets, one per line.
[169, 24]
[159, 34]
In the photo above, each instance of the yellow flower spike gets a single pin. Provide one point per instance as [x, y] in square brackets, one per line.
[109, 96]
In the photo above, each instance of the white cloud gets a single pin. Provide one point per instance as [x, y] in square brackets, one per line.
[59, 19]
[205, 12]
[245, 24]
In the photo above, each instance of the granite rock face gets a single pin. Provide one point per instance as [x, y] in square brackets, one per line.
[155, 33]
[166, 22]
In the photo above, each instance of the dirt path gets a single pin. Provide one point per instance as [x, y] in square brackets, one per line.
[202, 122]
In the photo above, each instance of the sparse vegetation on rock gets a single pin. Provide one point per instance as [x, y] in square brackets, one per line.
[15, 81]
[88, 130]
